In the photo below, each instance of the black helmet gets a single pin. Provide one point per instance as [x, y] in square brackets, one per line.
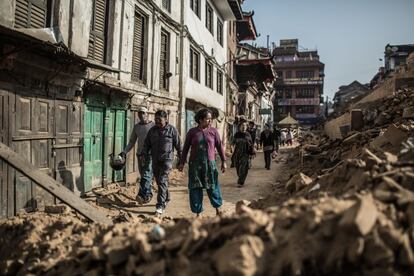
[117, 162]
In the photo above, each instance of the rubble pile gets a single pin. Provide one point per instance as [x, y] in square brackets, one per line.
[368, 233]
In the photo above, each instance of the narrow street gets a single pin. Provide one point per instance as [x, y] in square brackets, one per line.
[258, 184]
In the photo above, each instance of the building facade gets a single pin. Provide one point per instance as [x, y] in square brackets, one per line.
[299, 83]
[204, 58]
[73, 75]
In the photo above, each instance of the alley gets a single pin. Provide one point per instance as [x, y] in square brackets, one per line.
[259, 183]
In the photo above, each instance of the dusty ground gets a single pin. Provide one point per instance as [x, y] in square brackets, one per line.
[260, 182]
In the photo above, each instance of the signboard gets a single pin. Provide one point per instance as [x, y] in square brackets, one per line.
[265, 111]
[305, 116]
[299, 101]
[304, 81]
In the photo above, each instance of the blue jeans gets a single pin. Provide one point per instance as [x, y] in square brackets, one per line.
[145, 171]
[196, 198]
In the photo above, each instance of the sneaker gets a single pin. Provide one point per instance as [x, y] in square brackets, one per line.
[159, 211]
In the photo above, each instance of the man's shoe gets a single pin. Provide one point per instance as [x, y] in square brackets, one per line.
[159, 211]
[140, 200]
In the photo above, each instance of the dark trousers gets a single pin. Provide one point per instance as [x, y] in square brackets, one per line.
[161, 171]
[242, 168]
[267, 158]
[145, 171]
[196, 198]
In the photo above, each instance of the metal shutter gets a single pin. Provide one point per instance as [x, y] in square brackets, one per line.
[97, 39]
[30, 14]
[164, 60]
[138, 61]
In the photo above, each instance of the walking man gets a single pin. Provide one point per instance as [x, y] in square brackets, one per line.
[160, 142]
[276, 137]
[267, 142]
[139, 133]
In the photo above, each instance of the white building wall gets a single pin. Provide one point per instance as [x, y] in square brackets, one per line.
[193, 89]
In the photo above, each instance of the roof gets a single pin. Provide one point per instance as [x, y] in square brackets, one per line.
[289, 120]
[299, 63]
[45, 40]
[395, 49]
[257, 70]
[236, 8]
[246, 29]
[225, 10]
[280, 51]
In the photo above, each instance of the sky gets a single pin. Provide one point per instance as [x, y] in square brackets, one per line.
[350, 35]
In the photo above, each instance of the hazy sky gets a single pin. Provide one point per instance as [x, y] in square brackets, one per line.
[350, 35]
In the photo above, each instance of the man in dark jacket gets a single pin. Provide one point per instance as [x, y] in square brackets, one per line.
[160, 142]
[267, 142]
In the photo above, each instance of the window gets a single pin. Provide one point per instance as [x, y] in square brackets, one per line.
[209, 75]
[164, 59]
[304, 74]
[279, 74]
[166, 4]
[138, 55]
[288, 93]
[194, 64]
[195, 6]
[209, 18]
[288, 74]
[33, 13]
[219, 82]
[220, 32]
[305, 109]
[97, 37]
[305, 93]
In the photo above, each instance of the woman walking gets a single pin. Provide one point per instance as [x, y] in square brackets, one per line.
[243, 151]
[202, 168]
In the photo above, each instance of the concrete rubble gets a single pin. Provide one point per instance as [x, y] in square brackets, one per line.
[348, 208]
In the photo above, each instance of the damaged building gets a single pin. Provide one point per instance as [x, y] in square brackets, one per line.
[71, 84]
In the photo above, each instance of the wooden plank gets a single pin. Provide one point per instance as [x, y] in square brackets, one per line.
[52, 186]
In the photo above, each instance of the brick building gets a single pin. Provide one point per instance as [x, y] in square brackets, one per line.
[299, 83]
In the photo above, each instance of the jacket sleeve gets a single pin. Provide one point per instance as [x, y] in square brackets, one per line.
[186, 148]
[132, 140]
[219, 146]
[177, 143]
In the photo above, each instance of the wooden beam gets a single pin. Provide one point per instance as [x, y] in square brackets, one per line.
[52, 186]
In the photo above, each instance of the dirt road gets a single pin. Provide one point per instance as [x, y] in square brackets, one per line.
[258, 184]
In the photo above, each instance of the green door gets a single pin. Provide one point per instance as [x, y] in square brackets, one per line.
[93, 147]
[115, 141]
[119, 139]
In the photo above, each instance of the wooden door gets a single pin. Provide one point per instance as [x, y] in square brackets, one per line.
[4, 137]
[119, 140]
[132, 160]
[32, 137]
[93, 147]
[67, 145]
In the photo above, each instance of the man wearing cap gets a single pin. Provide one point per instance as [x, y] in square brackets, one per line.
[139, 133]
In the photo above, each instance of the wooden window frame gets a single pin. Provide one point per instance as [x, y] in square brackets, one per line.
[195, 7]
[103, 35]
[209, 18]
[209, 74]
[166, 5]
[164, 81]
[220, 30]
[141, 75]
[27, 20]
[219, 82]
[194, 64]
